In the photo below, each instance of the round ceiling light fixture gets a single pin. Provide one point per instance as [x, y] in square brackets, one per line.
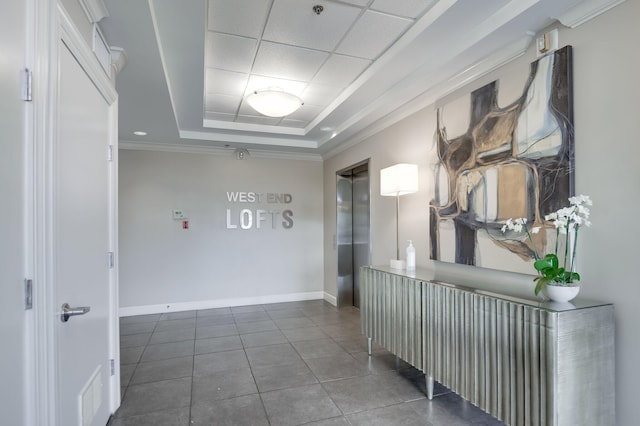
[140, 133]
[274, 102]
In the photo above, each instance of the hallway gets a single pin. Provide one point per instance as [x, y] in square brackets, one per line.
[278, 364]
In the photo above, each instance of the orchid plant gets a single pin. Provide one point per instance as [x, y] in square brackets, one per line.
[567, 222]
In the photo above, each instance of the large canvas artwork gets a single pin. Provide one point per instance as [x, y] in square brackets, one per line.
[512, 161]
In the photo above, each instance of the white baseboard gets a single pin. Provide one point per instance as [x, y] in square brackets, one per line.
[128, 311]
[331, 299]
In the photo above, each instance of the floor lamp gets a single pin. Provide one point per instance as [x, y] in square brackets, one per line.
[398, 180]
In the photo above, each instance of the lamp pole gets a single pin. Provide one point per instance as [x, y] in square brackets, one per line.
[397, 225]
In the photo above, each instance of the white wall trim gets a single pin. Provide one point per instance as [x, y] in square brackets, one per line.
[586, 11]
[470, 74]
[213, 150]
[85, 56]
[331, 299]
[128, 311]
[94, 9]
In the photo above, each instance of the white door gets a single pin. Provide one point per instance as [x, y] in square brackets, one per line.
[13, 270]
[81, 245]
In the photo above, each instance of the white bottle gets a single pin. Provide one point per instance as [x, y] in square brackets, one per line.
[411, 257]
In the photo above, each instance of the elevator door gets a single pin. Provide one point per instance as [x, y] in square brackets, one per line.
[353, 229]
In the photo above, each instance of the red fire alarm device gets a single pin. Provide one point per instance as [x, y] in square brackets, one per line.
[185, 224]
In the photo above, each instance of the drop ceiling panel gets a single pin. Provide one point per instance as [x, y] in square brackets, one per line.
[318, 94]
[287, 62]
[230, 52]
[341, 70]
[306, 113]
[242, 17]
[225, 82]
[254, 119]
[294, 22]
[258, 82]
[223, 103]
[406, 8]
[373, 34]
[357, 2]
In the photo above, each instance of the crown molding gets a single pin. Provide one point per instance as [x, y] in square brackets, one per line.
[211, 150]
[586, 11]
[94, 9]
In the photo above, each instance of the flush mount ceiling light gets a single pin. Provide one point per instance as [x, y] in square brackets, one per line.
[274, 102]
[140, 133]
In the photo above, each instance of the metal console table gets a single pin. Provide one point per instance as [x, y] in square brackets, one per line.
[523, 361]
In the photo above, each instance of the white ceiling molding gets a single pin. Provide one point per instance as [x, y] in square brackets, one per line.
[440, 91]
[210, 150]
[94, 9]
[250, 139]
[118, 58]
[586, 11]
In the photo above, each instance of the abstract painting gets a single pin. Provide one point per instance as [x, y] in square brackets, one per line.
[511, 161]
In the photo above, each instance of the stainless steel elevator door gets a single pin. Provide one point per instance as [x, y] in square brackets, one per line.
[353, 229]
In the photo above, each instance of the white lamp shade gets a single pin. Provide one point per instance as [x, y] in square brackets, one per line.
[400, 179]
[274, 102]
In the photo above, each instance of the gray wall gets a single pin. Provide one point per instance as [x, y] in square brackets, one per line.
[606, 94]
[162, 264]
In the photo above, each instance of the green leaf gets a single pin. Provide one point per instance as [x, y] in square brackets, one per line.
[541, 282]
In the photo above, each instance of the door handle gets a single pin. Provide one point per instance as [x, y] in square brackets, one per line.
[68, 311]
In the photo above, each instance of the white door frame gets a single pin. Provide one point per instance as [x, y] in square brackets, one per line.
[50, 23]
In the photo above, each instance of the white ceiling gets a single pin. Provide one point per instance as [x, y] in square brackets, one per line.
[359, 66]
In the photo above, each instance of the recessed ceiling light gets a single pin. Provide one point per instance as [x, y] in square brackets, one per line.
[140, 133]
[326, 129]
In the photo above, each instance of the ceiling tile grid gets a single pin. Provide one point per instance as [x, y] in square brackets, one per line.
[259, 44]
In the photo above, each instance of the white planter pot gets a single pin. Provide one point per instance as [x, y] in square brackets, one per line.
[561, 293]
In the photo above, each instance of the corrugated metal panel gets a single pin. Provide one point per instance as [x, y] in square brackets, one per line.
[523, 364]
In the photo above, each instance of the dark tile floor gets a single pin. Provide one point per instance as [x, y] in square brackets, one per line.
[280, 364]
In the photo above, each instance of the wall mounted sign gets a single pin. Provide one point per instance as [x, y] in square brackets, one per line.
[267, 210]
[512, 161]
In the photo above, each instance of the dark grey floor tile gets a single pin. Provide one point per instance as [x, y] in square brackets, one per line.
[408, 387]
[437, 412]
[177, 315]
[342, 331]
[246, 309]
[137, 328]
[168, 350]
[334, 421]
[272, 355]
[263, 338]
[361, 393]
[284, 323]
[219, 361]
[213, 311]
[359, 344]
[216, 331]
[309, 349]
[336, 367]
[255, 326]
[139, 318]
[286, 313]
[218, 344]
[222, 385]
[295, 406]
[241, 411]
[154, 371]
[306, 333]
[133, 340]
[126, 371]
[455, 409]
[150, 397]
[399, 414]
[215, 320]
[275, 377]
[175, 417]
[131, 355]
[378, 362]
[250, 317]
[176, 324]
[172, 336]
